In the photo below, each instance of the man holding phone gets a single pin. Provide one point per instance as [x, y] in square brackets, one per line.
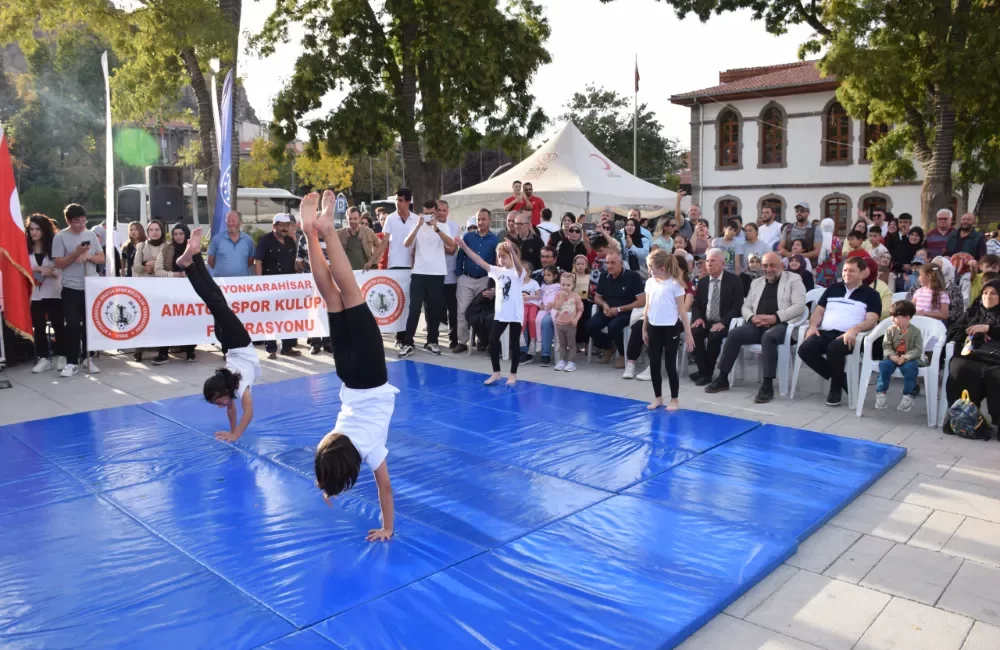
[77, 252]
[430, 241]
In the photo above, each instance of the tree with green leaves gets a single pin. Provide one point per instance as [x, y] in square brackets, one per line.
[161, 46]
[443, 77]
[324, 170]
[931, 68]
[605, 119]
[260, 170]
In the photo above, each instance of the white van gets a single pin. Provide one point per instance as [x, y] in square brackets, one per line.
[258, 205]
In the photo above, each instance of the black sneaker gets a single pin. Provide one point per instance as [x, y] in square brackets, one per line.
[703, 381]
[695, 376]
[161, 359]
[461, 348]
[453, 345]
[405, 351]
[314, 349]
[190, 355]
[765, 394]
[482, 347]
[546, 362]
[525, 358]
[718, 385]
[835, 397]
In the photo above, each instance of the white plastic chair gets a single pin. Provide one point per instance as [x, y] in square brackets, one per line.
[943, 405]
[899, 295]
[784, 353]
[853, 361]
[933, 333]
[504, 343]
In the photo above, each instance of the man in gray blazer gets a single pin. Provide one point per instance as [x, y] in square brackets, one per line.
[774, 299]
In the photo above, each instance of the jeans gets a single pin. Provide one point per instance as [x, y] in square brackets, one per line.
[616, 328]
[909, 371]
[548, 329]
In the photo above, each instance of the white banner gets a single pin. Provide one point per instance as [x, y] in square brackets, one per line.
[154, 312]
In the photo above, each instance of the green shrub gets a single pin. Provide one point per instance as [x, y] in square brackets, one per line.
[46, 200]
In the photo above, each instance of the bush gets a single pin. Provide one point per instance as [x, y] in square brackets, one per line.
[46, 200]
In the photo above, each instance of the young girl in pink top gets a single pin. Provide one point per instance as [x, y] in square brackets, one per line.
[549, 289]
[567, 307]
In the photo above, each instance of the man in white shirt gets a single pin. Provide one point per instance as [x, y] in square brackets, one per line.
[450, 312]
[546, 228]
[395, 230]
[768, 230]
[430, 244]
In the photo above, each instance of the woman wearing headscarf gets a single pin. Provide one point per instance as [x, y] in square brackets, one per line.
[798, 264]
[965, 267]
[977, 368]
[956, 306]
[830, 254]
[166, 267]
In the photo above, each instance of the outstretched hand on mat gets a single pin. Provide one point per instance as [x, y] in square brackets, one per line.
[379, 535]
[227, 436]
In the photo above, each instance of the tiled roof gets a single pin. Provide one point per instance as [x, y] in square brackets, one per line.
[770, 81]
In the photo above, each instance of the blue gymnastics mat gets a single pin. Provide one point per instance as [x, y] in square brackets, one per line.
[526, 517]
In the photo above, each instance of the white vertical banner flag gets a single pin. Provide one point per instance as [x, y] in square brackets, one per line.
[109, 176]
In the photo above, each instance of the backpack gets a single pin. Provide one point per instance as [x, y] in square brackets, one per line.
[965, 420]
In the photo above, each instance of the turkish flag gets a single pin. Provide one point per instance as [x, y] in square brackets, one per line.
[14, 265]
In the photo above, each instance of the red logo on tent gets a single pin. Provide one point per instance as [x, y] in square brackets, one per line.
[546, 158]
[603, 160]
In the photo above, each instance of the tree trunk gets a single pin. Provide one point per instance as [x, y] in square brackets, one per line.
[936, 191]
[421, 175]
[207, 160]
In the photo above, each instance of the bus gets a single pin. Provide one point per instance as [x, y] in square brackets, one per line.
[258, 205]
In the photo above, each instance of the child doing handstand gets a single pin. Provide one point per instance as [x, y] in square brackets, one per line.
[232, 383]
[366, 397]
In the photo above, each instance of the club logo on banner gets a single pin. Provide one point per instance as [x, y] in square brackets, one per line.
[120, 313]
[385, 299]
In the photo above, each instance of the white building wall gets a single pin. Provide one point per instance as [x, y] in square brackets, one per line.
[803, 177]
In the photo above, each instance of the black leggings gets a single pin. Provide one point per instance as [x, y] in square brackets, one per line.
[663, 342]
[496, 331]
[52, 309]
[358, 351]
[229, 329]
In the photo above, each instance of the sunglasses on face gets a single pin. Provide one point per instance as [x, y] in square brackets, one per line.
[575, 231]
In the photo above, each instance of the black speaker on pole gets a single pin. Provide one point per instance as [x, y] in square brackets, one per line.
[166, 193]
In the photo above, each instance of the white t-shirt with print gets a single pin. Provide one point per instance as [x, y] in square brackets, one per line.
[399, 255]
[246, 362]
[364, 418]
[531, 286]
[429, 258]
[661, 301]
[508, 303]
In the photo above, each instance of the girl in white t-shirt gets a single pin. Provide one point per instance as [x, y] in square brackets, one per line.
[232, 383]
[367, 399]
[509, 306]
[664, 319]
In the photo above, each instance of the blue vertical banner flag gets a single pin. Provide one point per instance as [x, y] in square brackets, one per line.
[223, 199]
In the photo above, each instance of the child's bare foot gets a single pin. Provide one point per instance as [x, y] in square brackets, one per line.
[324, 223]
[673, 405]
[193, 248]
[655, 404]
[492, 379]
[307, 213]
[511, 380]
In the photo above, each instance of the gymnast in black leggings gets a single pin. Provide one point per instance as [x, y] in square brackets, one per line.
[367, 399]
[232, 383]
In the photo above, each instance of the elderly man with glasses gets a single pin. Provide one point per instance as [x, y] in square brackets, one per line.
[774, 299]
[527, 240]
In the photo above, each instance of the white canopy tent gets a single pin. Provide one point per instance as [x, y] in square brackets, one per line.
[570, 175]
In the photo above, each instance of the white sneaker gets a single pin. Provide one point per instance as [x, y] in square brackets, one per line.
[560, 365]
[92, 368]
[629, 370]
[570, 367]
[42, 366]
[70, 370]
[906, 403]
[60, 363]
[880, 401]
[644, 375]
[531, 348]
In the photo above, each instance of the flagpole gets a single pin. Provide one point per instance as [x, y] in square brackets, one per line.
[109, 176]
[635, 121]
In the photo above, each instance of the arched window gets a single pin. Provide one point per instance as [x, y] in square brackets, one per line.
[777, 205]
[729, 139]
[725, 209]
[772, 137]
[838, 208]
[873, 133]
[836, 135]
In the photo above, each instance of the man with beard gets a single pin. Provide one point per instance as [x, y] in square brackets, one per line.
[803, 230]
[967, 239]
[768, 230]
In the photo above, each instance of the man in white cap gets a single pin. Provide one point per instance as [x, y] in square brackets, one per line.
[802, 229]
[276, 253]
